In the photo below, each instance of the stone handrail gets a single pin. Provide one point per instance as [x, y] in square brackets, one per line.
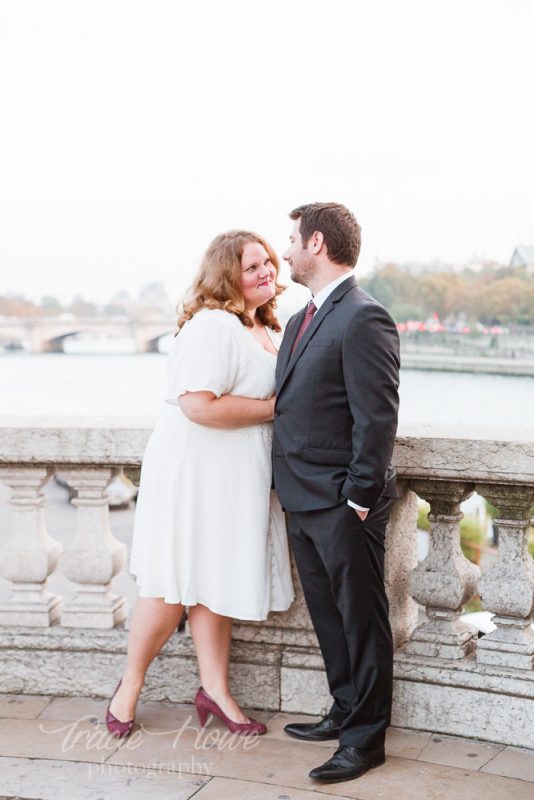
[439, 660]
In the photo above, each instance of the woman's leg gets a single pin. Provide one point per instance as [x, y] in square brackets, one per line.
[212, 634]
[153, 623]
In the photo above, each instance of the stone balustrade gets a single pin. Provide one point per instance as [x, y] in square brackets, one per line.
[446, 678]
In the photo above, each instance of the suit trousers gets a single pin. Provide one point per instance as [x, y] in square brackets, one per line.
[340, 561]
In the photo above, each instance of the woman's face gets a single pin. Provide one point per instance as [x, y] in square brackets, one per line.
[258, 275]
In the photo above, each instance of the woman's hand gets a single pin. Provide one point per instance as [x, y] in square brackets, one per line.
[271, 400]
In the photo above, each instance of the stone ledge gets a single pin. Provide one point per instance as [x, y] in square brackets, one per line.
[115, 640]
[57, 637]
[303, 658]
[492, 716]
[474, 453]
[274, 635]
[464, 672]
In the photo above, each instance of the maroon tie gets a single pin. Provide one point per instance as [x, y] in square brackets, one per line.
[310, 311]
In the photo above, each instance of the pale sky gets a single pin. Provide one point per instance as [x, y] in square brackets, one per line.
[134, 131]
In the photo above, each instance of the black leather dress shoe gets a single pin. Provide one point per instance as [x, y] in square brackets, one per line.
[320, 731]
[348, 763]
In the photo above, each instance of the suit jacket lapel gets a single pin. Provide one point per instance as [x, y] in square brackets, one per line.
[286, 347]
[290, 359]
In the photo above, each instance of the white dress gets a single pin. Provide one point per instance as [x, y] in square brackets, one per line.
[208, 528]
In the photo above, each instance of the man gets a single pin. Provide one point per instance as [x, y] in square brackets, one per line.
[334, 430]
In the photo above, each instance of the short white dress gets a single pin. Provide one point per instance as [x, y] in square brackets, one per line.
[208, 528]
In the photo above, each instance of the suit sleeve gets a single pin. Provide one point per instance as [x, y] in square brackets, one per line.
[371, 364]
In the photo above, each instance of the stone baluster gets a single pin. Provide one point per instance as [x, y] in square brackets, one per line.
[401, 558]
[29, 555]
[446, 579]
[507, 588]
[95, 556]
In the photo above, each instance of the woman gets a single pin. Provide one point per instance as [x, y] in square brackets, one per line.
[209, 533]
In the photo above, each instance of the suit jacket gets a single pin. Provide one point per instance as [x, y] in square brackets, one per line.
[337, 404]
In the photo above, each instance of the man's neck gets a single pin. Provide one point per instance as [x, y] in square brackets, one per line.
[325, 277]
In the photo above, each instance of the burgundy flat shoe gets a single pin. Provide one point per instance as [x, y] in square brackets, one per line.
[205, 705]
[114, 725]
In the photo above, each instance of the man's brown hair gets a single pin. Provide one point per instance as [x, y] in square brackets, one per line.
[341, 232]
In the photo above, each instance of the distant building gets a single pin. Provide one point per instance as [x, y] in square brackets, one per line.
[523, 256]
[153, 297]
[480, 264]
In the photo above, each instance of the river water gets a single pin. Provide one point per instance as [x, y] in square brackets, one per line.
[134, 385]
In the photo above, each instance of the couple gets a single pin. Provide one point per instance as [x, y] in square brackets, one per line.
[209, 531]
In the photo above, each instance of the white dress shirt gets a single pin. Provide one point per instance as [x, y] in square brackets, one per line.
[322, 294]
[318, 300]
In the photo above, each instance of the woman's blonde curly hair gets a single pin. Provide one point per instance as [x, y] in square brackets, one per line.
[218, 281]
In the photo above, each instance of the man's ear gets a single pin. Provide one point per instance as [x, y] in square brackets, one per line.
[316, 241]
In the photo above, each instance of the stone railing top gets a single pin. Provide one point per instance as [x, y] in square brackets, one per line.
[475, 453]
[466, 452]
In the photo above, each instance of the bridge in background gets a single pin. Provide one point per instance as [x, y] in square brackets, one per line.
[48, 334]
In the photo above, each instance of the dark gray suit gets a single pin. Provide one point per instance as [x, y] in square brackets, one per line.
[334, 430]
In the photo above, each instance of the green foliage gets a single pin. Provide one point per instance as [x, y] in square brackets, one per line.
[51, 305]
[491, 510]
[472, 533]
[472, 537]
[494, 513]
[474, 604]
[492, 296]
[403, 312]
[422, 517]
[506, 300]
[380, 289]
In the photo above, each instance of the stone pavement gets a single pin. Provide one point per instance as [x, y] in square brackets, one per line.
[57, 748]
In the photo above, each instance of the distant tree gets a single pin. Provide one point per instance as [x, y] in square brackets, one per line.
[380, 289]
[506, 301]
[403, 312]
[18, 306]
[491, 295]
[443, 293]
[390, 285]
[51, 305]
[114, 310]
[82, 308]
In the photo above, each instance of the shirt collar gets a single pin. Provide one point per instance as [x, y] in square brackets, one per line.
[321, 296]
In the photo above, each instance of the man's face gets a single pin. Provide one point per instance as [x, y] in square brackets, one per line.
[303, 264]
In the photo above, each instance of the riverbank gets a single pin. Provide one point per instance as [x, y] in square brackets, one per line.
[472, 364]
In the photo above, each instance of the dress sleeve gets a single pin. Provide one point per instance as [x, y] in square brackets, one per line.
[204, 358]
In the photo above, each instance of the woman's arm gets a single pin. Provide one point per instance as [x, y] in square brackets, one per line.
[228, 411]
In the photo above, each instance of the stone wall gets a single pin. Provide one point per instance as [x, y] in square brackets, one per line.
[445, 678]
